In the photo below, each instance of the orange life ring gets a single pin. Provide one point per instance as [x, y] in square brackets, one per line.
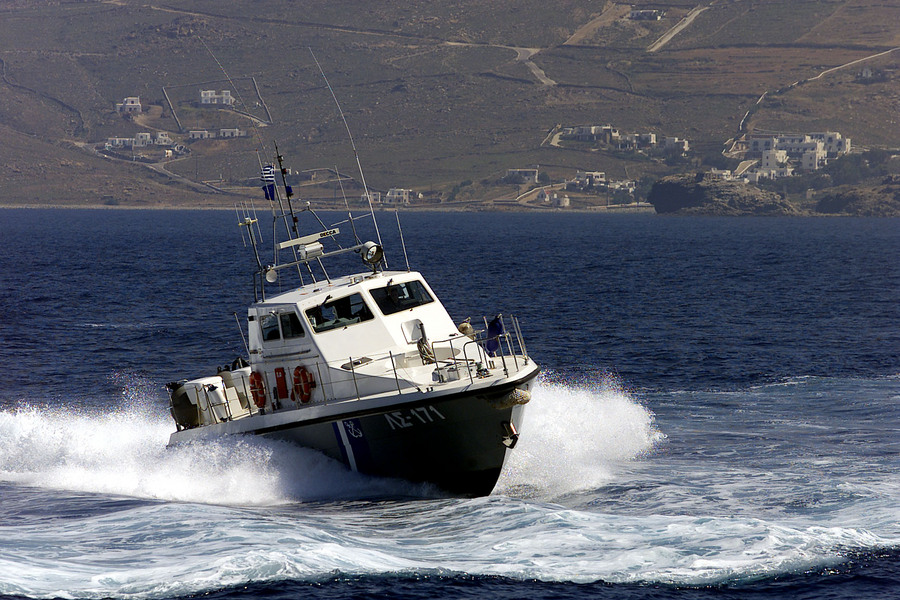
[304, 382]
[258, 389]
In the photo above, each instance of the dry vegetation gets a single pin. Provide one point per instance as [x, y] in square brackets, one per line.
[435, 93]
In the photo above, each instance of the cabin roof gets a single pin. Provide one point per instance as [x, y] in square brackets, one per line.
[315, 293]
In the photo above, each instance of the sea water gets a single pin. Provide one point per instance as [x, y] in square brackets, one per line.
[717, 417]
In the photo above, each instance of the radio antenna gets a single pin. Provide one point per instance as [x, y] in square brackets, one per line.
[402, 243]
[362, 176]
[241, 329]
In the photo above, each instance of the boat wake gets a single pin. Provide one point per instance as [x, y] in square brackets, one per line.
[95, 506]
[126, 455]
[573, 439]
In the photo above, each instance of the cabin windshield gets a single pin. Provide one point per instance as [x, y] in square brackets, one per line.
[332, 314]
[401, 296]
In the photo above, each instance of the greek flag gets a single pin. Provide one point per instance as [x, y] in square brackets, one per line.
[267, 176]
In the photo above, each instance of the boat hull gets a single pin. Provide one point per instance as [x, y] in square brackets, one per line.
[457, 441]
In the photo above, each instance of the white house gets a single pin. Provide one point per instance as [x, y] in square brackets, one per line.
[773, 159]
[129, 105]
[675, 144]
[813, 158]
[757, 176]
[199, 134]
[585, 132]
[761, 143]
[553, 198]
[398, 196]
[797, 145]
[119, 142]
[833, 141]
[561, 201]
[590, 178]
[230, 133]
[632, 141]
[593, 133]
[647, 139]
[529, 175]
[211, 97]
[628, 185]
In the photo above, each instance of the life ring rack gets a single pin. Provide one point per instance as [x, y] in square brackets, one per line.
[258, 389]
[304, 383]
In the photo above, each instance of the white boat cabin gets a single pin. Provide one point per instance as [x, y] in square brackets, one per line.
[350, 338]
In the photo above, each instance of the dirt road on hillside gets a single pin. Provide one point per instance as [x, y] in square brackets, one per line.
[611, 12]
[667, 36]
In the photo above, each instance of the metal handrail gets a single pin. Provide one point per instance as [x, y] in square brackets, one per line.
[471, 357]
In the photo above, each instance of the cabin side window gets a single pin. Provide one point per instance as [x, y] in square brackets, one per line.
[333, 314]
[289, 322]
[268, 325]
[290, 326]
[401, 296]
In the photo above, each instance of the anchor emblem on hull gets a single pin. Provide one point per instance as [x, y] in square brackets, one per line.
[352, 429]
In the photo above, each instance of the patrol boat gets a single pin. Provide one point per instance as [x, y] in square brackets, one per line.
[368, 368]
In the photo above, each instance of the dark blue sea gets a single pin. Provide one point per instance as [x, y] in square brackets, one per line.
[718, 416]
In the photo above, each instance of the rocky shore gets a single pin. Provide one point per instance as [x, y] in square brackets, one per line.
[699, 194]
[878, 201]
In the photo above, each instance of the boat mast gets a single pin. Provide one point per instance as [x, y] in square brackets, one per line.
[291, 228]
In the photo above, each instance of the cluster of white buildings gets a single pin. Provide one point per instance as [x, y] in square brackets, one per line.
[636, 142]
[206, 134]
[162, 138]
[811, 148]
[394, 196]
[781, 155]
[546, 196]
[585, 180]
[398, 196]
[140, 140]
[132, 105]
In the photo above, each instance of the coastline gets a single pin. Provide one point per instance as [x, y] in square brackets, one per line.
[648, 210]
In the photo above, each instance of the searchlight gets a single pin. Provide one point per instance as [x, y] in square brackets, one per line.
[371, 253]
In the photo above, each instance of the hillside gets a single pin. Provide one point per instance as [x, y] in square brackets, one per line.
[441, 97]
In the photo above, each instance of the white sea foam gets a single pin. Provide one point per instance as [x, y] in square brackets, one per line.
[124, 453]
[575, 438]
[230, 515]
